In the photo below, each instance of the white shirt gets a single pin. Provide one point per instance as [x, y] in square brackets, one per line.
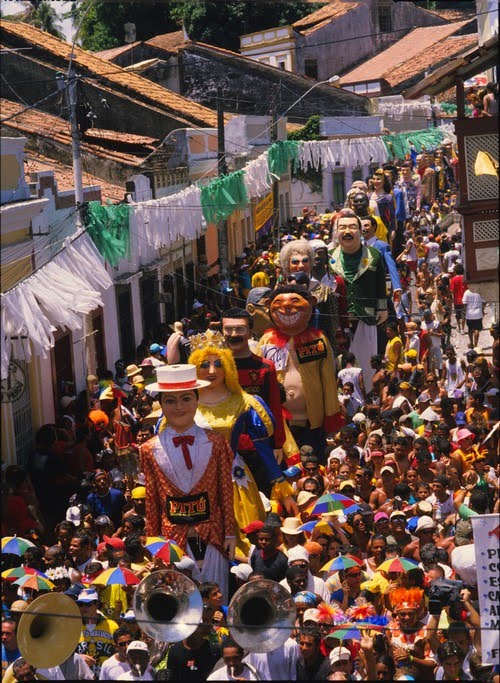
[352, 375]
[129, 676]
[315, 585]
[171, 459]
[278, 665]
[112, 668]
[446, 508]
[473, 305]
[223, 674]
[340, 452]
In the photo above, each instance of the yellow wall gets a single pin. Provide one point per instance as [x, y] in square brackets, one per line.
[10, 172]
[12, 273]
[7, 239]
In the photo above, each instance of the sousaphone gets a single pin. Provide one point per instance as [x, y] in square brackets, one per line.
[167, 606]
[49, 630]
[261, 615]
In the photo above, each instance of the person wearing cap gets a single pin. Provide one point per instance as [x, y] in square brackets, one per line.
[188, 476]
[341, 661]
[388, 432]
[96, 640]
[398, 536]
[117, 663]
[299, 557]
[426, 532]
[466, 452]
[138, 660]
[105, 500]
[252, 533]
[386, 490]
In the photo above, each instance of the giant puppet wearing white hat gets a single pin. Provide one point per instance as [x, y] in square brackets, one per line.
[189, 490]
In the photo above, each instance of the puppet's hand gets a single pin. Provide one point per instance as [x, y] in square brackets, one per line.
[381, 317]
[290, 506]
[230, 547]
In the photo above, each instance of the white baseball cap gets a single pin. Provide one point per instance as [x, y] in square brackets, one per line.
[425, 522]
[73, 514]
[242, 571]
[137, 645]
[297, 553]
[339, 654]
[311, 615]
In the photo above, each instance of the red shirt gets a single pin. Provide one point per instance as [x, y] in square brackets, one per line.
[457, 288]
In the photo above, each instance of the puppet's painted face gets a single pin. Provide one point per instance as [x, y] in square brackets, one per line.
[291, 313]
[349, 234]
[360, 204]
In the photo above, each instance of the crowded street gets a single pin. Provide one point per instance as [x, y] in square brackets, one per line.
[250, 424]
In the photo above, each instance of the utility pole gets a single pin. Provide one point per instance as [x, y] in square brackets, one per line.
[276, 187]
[222, 170]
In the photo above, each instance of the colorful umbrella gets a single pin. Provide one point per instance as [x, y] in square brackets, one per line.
[19, 572]
[331, 502]
[154, 543]
[321, 526]
[35, 582]
[397, 564]
[353, 631]
[15, 545]
[110, 392]
[116, 575]
[169, 552]
[342, 562]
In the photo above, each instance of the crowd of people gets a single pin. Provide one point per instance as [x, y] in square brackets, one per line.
[327, 368]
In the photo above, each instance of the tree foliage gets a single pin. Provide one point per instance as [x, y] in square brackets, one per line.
[216, 23]
[40, 14]
[310, 131]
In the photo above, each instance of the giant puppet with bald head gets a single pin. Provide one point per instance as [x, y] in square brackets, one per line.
[305, 366]
[363, 271]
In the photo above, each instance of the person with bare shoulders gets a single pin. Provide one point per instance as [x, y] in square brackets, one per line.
[426, 532]
[386, 490]
[379, 378]
[400, 451]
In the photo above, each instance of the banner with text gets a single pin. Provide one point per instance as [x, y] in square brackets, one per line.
[262, 212]
[486, 529]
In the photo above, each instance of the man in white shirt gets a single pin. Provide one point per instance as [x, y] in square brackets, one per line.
[278, 665]
[474, 313]
[298, 556]
[139, 667]
[441, 498]
[235, 668]
[117, 664]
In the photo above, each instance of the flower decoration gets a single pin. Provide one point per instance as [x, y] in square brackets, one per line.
[57, 573]
[361, 611]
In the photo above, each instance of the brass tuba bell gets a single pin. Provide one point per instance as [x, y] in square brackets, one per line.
[168, 606]
[49, 630]
[262, 615]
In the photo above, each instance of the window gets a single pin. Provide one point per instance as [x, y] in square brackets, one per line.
[311, 68]
[282, 65]
[385, 19]
[357, 174]
[339, 189]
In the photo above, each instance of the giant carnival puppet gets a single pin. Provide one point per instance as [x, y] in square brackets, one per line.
[188, 477]
[305, 365]
[363, 271]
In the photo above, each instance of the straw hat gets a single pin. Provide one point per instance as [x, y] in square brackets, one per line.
[291, 526]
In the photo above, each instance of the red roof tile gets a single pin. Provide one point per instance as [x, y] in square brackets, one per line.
[130, 83]
[168, 41]
[411, 45]
[333, 10]
[116, 51]
[445, 49]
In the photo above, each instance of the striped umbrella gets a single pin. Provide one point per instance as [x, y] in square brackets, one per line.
[352, 631]
[330, 502]
[399, 565]
[114, 576]
[36, 582]
[321, 526]
[15, 545]
[168, 551]
[154, 543]
[342, 562]
[18, 572]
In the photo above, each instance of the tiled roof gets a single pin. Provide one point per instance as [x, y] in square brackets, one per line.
[457, 14]
[168, 41]
[132, 84]
[333, 10]
[121, 138]
[411, 45]
[445, 49]
[116, 51]
[40, 124]
[65, 179]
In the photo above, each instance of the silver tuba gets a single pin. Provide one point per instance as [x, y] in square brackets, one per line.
[261, 615]
[168, 606]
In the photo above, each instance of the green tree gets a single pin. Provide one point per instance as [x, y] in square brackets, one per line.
[40, 14]
[216, 23]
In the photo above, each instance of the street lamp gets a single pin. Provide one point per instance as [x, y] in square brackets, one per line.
[332, 79]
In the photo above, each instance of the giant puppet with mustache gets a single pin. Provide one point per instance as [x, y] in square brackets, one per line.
[305, 366]
[363, 271]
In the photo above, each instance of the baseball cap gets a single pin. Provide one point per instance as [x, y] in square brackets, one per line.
[73, 514]
[425, 522]
[339, 654]
[114, 542]
[305, 497]
[138, 492]
[347, 483]
[242, 571]
[75, 590]
[292, 471]
[430, 415]
[102, 520]
[460, 419]
[137, 645]
[155, 348]
[129, 615]
[424, 507]
[423, 398]
[311, 614]
[298, 552]
[66, 401]
[397, 513]
[405, 385]
[380, 515]
[411, 353]
[185, 563]
[377, 454]
[358, 418]
[253, 526]
[387, 469]
[471, 353]
[87, 595]
[313, 548]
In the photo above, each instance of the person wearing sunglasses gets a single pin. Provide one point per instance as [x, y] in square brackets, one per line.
[117, 664]
[351, 587]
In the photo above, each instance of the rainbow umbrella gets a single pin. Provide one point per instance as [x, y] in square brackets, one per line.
[15, 545]
[330, 502]
[169, 552]
[36, 582]
[154, 543]
[18, 572]
[114, 576]
[321, 526]
[352, 631]
[342, 562]
[397, 564]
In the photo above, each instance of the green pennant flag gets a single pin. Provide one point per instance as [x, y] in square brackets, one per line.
[108, 226]
[223, 196]
[280, 154]
[398, 144]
